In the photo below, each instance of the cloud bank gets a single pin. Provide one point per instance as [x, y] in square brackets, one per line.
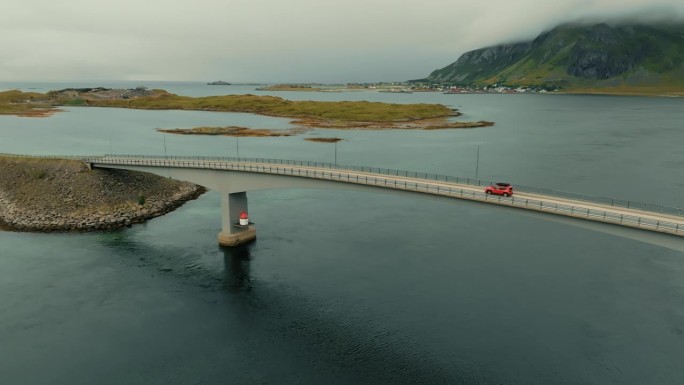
[276, 40]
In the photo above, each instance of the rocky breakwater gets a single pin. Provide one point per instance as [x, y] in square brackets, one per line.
[52, 195]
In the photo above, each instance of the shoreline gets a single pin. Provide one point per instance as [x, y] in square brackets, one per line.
[21, 219]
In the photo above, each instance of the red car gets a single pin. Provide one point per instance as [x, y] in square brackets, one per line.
[504, 189]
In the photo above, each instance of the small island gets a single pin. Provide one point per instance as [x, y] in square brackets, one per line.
[218, 83]
[439, 123]
[229, 131]
[324, 140]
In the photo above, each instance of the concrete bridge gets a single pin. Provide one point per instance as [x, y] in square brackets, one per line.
[234, 177]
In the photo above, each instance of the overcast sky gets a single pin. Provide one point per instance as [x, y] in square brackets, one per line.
[273, 40]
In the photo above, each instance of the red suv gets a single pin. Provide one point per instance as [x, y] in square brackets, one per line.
[504, 189]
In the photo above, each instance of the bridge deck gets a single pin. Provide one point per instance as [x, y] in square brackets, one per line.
[642, 219]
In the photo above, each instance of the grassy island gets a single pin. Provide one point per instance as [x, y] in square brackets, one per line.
[308, 114]
[324, 140]
[17, 102]
[228, 131]
[275, 106]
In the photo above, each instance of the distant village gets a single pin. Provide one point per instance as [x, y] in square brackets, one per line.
[410, 87]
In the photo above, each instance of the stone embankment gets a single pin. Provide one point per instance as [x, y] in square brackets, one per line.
[50, 195]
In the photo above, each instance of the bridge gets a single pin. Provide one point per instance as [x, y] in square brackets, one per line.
[234, 177]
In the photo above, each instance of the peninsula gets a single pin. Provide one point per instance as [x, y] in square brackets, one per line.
[59, 195]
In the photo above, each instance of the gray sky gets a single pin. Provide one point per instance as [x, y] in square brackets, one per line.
[273, 40]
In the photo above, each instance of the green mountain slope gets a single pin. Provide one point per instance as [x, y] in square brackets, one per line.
[576, 56]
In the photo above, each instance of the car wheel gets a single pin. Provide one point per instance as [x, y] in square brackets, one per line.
[488, 192]
[505, 194]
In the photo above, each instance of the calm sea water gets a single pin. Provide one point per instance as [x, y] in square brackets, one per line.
[361, 288]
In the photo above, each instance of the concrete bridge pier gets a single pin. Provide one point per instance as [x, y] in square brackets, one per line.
[232, 233]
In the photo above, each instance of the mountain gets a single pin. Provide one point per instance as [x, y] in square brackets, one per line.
[575, 56]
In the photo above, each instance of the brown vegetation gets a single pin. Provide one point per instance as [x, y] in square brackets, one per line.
[38, 112]
[418, 124]
[230, 131]
[324, 140]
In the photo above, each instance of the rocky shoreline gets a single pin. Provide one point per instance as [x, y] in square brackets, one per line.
[69, 198]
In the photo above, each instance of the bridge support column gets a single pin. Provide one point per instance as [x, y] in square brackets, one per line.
[232, 233]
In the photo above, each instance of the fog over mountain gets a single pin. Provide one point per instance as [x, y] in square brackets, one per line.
[276, 41]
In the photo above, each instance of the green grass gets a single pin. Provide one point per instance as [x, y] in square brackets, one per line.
[275, 106]
[74, 102]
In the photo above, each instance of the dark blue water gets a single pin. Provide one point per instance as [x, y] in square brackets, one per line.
[363, 288]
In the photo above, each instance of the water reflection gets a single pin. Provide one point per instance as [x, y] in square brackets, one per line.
[236, 262]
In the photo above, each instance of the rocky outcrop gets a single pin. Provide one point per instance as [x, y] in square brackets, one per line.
[604, 52]
[475, 64]
[598, 64]
[101, 93]
[63, 195]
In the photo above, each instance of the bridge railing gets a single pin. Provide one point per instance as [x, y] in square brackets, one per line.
[74, 157]
[424, 176]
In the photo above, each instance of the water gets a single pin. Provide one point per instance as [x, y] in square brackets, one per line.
[364, 288]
